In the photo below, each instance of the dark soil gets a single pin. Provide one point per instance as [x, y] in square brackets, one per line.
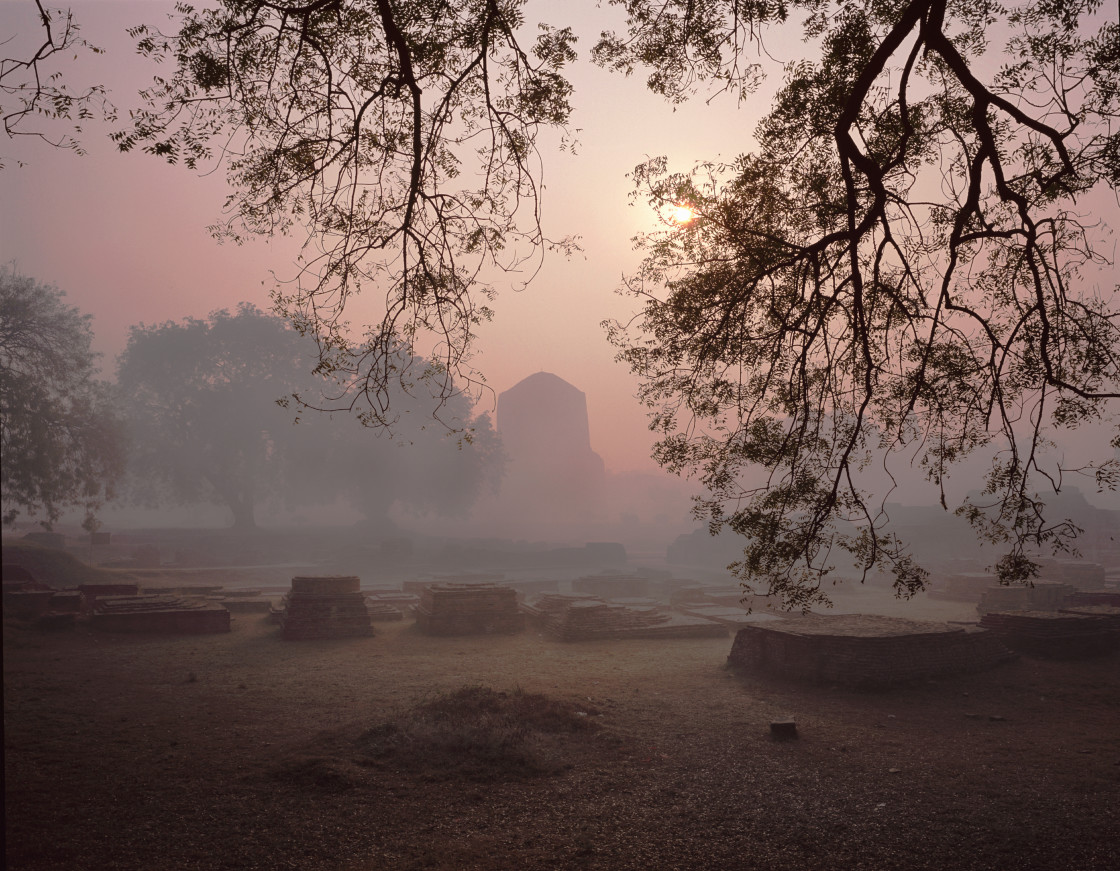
[401, 751]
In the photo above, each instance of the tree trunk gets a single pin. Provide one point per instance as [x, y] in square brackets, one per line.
[243, 516]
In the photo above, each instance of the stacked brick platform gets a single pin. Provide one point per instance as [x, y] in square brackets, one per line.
[159, 614]
[325, 607]
[587, 618]
[1057, 634]
[27, 603]
[68, 601]
[727, 597]
[399, 600]
[864, 651]
[1082, 575]
[93, 592]
[469, 609]
[250, 602]
[611, 586]
[961, 587]
[1041, 596]
[381, 611]
[728, 616]
[417, 586]
[1083, 597]
[1109, 615]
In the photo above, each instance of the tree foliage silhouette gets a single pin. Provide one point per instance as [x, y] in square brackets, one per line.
[62, 438]
[905, 264]
[201, 398]
[36, 99]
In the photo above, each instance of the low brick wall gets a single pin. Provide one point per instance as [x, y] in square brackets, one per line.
[611, 586]
[1085, 631]
[159, 614]
[582, 617]
[325, 607]
[326, 585]
[864, 651]
[1040, 596]
[27, 603]
[469, 609]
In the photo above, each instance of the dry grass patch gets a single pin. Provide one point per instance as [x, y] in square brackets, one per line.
[475, 734]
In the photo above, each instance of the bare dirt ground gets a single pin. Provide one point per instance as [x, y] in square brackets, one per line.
[242, 751]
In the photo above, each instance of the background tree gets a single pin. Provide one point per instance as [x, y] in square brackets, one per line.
[200, 396]
[902, 266]
[422, 467]
[208, 402]
[60, 434]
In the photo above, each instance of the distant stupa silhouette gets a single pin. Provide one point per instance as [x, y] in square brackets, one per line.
[553, 473]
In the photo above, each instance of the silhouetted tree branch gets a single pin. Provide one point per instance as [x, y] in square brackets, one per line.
[902, 265]
[897, 268]
[32, 91]
[401, 136]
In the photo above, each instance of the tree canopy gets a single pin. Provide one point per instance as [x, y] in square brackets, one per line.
[61, 435]
[399, 135]
[906, 261]
[908, 264]
[201, 398]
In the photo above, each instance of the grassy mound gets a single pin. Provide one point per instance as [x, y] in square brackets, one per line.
[475, 734]
[54, 567]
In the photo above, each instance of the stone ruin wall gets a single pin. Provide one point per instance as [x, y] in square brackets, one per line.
[469, 609]
[325, 607]
[851, 658]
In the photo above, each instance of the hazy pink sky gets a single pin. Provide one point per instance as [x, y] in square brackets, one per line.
[125, 235]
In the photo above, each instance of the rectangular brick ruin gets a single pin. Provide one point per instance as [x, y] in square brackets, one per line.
[27, 603]
[961, 587]
[728, 616]
[862, 651]
[582, 617]
[1086, 630]
[417, 586]
[245, 604]
[978, 586]
[325, 607]
[612, 586]
[469, 609]
[68, 601]
[381, 611]
[1041, 596]
[171, 615]
[93, 592]
[399, 600]
[1093, 598]
[1083, 575]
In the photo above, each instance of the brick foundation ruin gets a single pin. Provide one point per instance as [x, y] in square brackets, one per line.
[725, 614]
[469, 609]
[159, 614]
[1070, 633]
[612, 586]
[582, 617]
[1040, 596]
[862, 651]
[325, 607]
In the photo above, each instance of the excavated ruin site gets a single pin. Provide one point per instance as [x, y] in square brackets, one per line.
[599, 722]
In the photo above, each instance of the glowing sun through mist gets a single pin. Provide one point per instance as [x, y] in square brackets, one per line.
[682, 214]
